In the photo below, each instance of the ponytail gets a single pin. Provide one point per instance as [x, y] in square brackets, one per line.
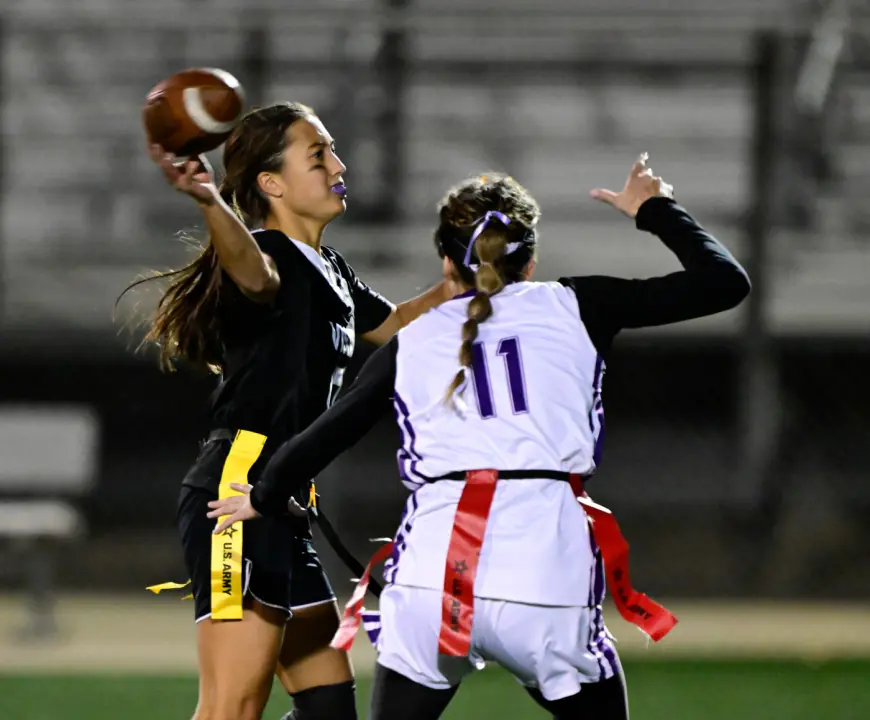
[488, 280]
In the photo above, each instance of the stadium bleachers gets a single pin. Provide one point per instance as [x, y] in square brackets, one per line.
[562, 111]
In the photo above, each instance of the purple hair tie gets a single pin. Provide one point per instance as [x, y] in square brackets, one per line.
[481, 226]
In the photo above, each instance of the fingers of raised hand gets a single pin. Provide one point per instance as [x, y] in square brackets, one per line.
[640, 178]
[639, 164]
[644, 182]
[604, 195]
[662, 188]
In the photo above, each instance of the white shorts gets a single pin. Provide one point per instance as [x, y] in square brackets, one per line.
[553, 649]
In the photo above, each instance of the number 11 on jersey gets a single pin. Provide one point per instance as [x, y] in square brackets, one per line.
[509, 350]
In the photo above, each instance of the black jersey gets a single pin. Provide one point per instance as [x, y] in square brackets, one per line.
[284, 363]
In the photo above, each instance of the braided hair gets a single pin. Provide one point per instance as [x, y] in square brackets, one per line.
[487, 228]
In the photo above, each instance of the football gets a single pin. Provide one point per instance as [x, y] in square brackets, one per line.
[193, 111]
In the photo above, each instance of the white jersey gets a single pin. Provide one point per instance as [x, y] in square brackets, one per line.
[533, 402]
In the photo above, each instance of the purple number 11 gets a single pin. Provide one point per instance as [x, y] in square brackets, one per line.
[509, 349]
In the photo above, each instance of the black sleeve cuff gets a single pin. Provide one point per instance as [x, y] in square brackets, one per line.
[652, 212]
[264, 508]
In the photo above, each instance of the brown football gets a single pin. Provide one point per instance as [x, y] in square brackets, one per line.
[193, 111]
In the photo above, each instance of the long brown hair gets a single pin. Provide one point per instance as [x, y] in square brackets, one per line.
[186, 322]
[461, 211]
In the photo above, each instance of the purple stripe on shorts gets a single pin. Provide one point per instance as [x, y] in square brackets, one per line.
[603, 646]
[592, 642]
[609, 651]
[371, 621]
[391, 566]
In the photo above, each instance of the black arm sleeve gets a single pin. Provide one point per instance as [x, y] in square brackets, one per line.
[711, 282]
[339, 428]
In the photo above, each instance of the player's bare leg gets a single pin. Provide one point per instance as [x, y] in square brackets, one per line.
[237, 662]
[317, 676]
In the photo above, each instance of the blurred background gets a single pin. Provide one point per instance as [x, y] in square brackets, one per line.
[738, 447]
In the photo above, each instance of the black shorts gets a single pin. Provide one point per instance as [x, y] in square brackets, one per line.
[280, 567]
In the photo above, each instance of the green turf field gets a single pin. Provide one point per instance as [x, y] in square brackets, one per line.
[666, 690]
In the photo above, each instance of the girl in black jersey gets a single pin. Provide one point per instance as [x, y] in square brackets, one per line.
[558, 649]
[276, 314]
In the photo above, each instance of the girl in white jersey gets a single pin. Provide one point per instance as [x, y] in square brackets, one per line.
[494, 557]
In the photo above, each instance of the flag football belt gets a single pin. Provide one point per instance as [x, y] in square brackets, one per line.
[469, 529]
[226, 548]
[315, 509]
